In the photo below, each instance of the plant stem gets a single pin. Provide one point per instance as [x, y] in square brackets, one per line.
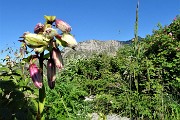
[136, 26]
[42, 93]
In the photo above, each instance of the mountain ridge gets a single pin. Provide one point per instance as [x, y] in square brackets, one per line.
[87, 48]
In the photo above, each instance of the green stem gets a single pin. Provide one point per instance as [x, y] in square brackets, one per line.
[136, 27]
[42, 94]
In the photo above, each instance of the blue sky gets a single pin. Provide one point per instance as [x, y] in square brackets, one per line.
[90, 19]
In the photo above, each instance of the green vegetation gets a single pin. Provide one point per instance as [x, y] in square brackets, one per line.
[142, 82]
[140, 85]
[17, 97]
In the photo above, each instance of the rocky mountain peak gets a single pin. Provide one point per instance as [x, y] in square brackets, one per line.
[89, 47]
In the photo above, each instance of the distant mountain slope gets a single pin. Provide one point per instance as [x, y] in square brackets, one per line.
[89, 47]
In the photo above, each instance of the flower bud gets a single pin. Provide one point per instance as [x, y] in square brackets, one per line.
[63, 26]
[35, 75]
[38, 28]
[49, 19]
[69, 39]
[60, 42]
[66, 40]
[35, 40]
[51, 73]
[57, 57]
[50, 33]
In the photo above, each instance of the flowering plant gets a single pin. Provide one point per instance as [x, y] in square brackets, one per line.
[46, 37]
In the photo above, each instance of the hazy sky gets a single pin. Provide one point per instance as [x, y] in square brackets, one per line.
[90, 19]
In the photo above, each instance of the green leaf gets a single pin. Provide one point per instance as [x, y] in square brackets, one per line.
[4, 69]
